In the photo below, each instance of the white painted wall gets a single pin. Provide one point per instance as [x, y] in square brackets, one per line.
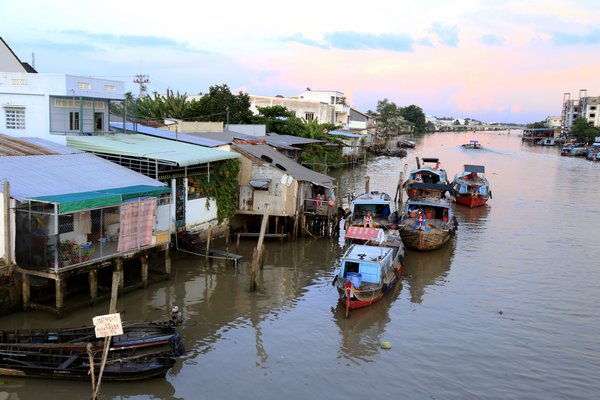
[196, 214]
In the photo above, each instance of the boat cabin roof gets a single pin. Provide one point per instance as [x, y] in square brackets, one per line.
[424, 203]
[363, 233]
[430, 159]
[367, 253]
[474, 168]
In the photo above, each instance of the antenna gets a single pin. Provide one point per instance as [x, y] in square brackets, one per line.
[142, 80]
[33, 60]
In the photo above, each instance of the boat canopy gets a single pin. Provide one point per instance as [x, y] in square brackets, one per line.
[475, 168]
[431, 186]
[430, 160]
[363, 233]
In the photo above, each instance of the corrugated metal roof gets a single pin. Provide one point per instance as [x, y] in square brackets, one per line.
[138, 145]
[31, 146]
[35, 176]
[345, 134]
[291, 140]
[164, 134]
[287, 165]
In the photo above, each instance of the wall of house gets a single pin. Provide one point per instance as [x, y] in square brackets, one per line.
[3, 211]
[62, 107]
[35, 108]
[197, 216]
[321, 111]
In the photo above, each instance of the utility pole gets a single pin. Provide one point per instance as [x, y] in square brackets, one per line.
[142, 80]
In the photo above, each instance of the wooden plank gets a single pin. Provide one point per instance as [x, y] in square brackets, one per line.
[69, 361]
[222, 253]
[266, 235]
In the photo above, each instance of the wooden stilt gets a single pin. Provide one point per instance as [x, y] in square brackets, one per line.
[167, 262]
[145, 269]
[26, 287]
[118, 267]
[60, 296]
[93, 281]
[256, 255]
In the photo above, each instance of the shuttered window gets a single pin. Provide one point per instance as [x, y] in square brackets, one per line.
[15, 118]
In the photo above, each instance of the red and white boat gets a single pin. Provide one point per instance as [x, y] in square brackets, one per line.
[368, 271]
[471, 187]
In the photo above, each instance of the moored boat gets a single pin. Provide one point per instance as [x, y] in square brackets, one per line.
[471, 188]
[573, 150]
[427, 225]
[30, 362]
[593, 151]
[135, 335]
[368, 271]
[428, 180]
[379, 205]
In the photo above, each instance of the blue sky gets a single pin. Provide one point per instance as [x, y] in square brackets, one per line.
[507, 61]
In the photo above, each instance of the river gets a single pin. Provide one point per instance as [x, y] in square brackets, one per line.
[508, 310]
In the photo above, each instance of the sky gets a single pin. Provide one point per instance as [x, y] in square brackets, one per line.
[493, 60]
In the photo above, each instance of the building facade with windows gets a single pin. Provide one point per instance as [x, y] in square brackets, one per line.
[53, 106]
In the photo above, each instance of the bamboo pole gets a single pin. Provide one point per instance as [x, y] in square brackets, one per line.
[112, 309]
[256, 255]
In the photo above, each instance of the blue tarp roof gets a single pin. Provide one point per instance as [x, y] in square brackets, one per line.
[345, 134]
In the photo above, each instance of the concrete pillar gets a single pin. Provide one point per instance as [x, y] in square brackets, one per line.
[145, 269]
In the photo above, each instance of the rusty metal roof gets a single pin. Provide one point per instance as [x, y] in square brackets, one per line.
[31, 146]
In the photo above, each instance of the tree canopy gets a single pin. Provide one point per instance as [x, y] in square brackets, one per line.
[220, 105]
[583, 130]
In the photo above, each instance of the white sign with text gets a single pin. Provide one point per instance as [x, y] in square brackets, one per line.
[108, 325]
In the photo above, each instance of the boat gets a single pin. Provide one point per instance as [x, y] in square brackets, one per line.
[546, 142]
[367, 272]
[381, 207]
[471, 188]
[593, 151]
[473, 144]
[427, 224]
[407, 144]
[573, 150]
[428, 180]
[35, 362]
[135, 335]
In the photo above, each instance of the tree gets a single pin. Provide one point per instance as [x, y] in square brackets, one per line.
[539, 124]
[389, 118]
[414, 114]
[583, 130]
[279, 119]
[220, 105]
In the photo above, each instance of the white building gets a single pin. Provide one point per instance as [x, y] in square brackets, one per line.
[52, 106]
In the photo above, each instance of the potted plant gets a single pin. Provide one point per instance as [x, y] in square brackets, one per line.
[86, 251]
[75, 252]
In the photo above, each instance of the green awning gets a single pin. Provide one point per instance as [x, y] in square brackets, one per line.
[72, 202]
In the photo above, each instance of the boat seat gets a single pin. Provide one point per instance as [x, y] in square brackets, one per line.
[68, 361]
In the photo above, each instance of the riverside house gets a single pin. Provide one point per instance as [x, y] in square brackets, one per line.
[69, 218]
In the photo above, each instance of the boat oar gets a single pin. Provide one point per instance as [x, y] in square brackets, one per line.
[334, 280]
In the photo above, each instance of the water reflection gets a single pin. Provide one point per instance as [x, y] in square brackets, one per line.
[427, 268]
[361, 333]
[471, 220]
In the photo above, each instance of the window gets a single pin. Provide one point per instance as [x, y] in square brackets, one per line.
[74, 121]
[84, 86]
[15, 118]
[65, 223]
[309, 116]
[110, 88]
[592, 115]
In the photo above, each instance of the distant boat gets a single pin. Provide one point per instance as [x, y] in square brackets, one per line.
[593, 152]
[573, 150]
[471, 187]
[407, 144]
[546, 142]
[473, 144]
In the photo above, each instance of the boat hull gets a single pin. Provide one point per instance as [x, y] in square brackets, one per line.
[18, 361]
[425, 240]
[353, 298]
[470, 200]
